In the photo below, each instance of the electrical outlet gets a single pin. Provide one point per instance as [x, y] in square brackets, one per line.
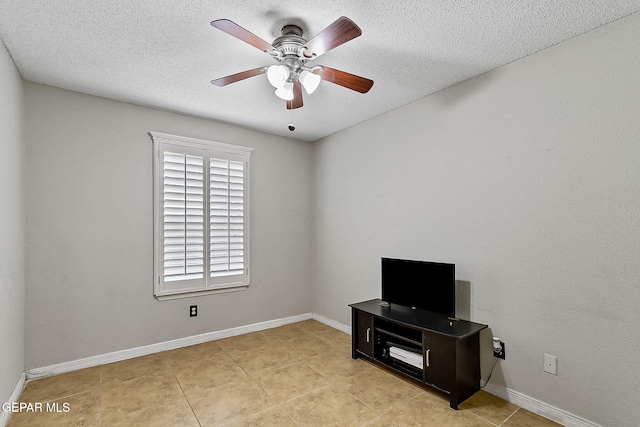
[500, 354]
[551, 364]
[193, 311]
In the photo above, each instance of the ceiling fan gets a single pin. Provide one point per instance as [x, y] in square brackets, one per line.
[293, 52]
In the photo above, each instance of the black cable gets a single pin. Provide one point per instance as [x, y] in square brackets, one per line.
[490, 372]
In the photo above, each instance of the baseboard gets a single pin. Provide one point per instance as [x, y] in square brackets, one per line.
[4, 416]
[538, 407]
[118, 356]
[336, 325]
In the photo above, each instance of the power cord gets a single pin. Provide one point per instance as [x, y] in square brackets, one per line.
[490, 372]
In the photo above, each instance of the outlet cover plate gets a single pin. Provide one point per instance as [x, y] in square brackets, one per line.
[500, 354]
[551, 364]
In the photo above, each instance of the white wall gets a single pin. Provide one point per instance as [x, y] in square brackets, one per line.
[11, 227]
[89, 229]
[528, 179]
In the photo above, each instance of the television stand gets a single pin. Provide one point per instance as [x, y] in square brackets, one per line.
[449, 349]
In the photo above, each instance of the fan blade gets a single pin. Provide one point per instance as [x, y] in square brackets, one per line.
[350, 81]
[296, 102]
[223, 81]
[336, 34]
[238, 32]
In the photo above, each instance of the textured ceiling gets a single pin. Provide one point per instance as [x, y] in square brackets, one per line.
[164, 53]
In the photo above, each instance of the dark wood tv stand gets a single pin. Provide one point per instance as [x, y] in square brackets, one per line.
[450, 349]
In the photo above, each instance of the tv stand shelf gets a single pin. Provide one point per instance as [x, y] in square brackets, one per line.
[391, 334]
[450, 350]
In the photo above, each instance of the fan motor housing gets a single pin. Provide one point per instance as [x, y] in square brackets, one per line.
[290, 43]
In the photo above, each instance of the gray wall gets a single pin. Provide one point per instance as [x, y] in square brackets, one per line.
[528, 179]
[11, 226]
[89, 231]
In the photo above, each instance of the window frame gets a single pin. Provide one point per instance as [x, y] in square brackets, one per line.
[167, 290]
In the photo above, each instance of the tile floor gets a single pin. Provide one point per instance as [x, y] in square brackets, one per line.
[295, 375]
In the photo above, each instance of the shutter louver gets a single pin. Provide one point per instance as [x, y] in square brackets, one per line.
[183, 213]
[226, 218]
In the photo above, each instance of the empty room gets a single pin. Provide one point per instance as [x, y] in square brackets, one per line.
[309, 214]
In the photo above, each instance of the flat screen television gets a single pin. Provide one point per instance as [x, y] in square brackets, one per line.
[420, 285]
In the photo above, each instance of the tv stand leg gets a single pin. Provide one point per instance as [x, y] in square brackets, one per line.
[454, 399]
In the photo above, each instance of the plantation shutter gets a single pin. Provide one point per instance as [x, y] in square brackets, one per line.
[201, 216]
[183, 243]
[226, 185]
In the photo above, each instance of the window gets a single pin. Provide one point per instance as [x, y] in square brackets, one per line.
[201, 216]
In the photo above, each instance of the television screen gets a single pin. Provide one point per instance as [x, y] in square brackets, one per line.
[419, 284]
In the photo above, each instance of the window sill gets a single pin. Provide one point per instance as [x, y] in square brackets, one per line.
[172, 295]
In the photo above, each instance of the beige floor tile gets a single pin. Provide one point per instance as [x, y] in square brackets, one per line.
[196, 377]
[427, 410]
[313, 326]
[138, 393]
[192, 353]
[62, 385]
[336, 338]
[290, 381]
[329, 406]
[305, 346]
[383, 420]
[380, 389]
[230, 402]
[488, 407]
[235, 346]
[134, 368]
[175, 413]
[78, 410]
[265, 357]
[524, 418]
[337, 365]
[274, 417]
[283, 333]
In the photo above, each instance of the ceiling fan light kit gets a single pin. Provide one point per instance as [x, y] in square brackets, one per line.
[309, 80]
[292, 52]
[278, 75]
[285, 91]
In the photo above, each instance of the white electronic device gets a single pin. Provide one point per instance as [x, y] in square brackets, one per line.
[413, 359]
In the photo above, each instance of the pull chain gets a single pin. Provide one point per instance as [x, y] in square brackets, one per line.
[291, 126]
